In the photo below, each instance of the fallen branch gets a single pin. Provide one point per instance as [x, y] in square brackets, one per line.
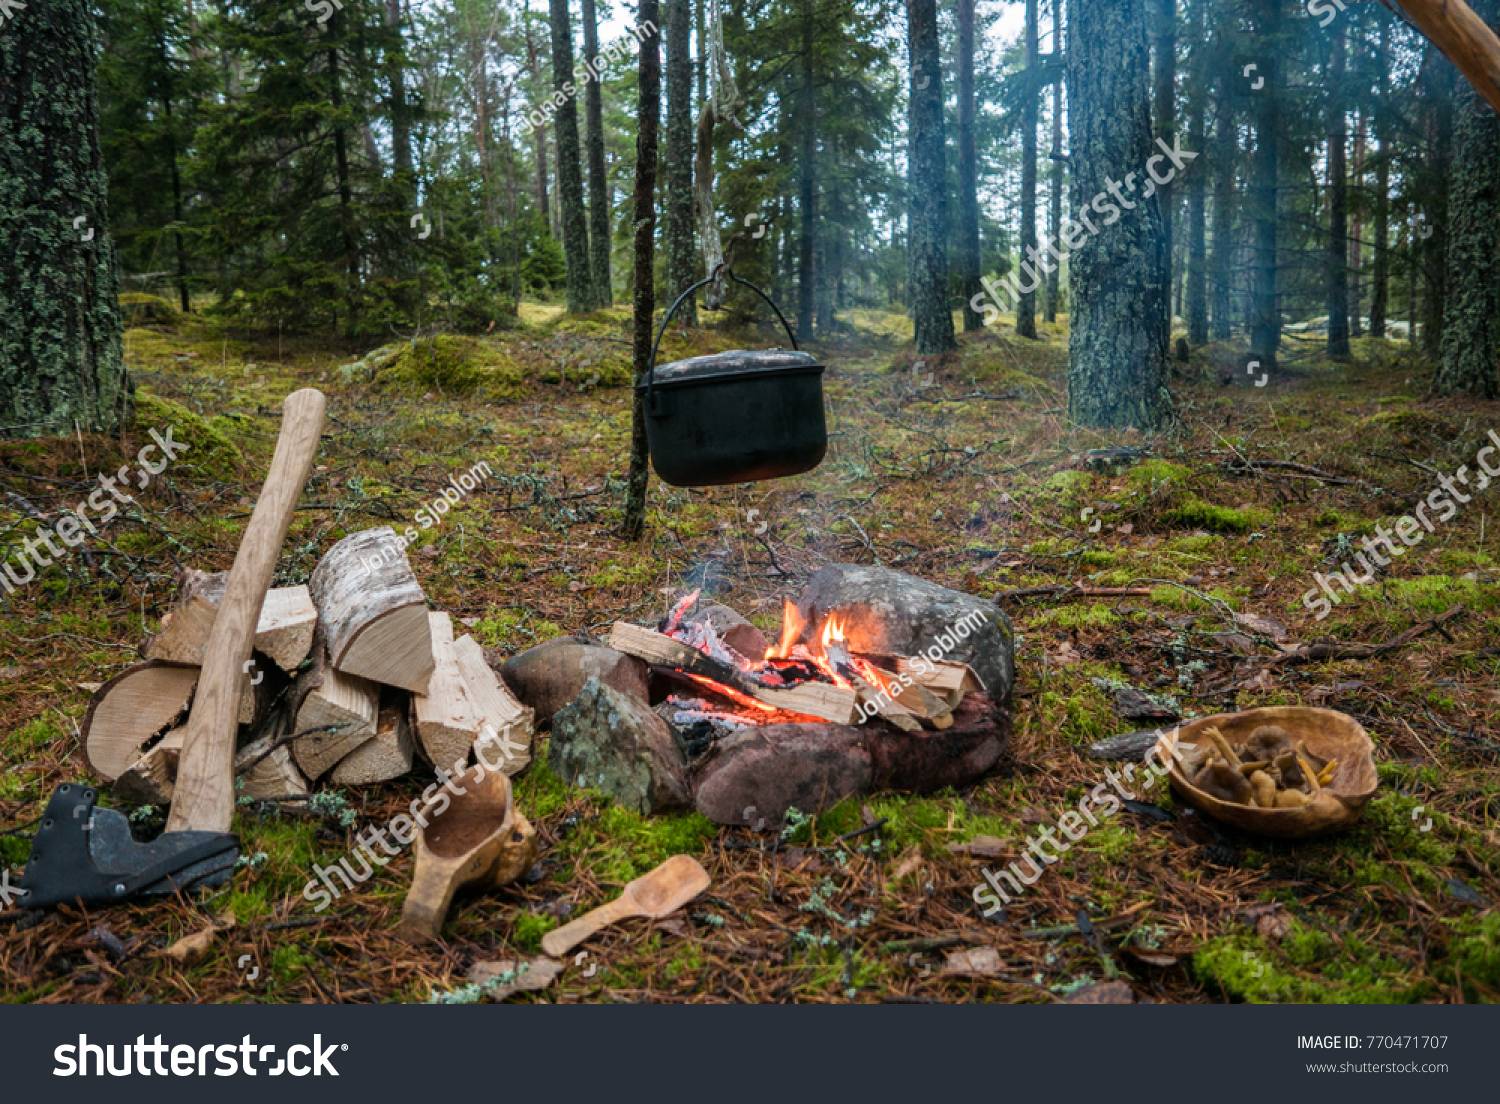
[1076, 590]
[1330, 649]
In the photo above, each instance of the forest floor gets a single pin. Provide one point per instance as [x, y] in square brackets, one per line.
[959, 469]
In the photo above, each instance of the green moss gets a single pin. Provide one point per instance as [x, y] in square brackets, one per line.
[539, 791]
[1152, 474]
[1198, 514]
[32, 736]
[209, 449]
[1310, 967]
[454, 365]
[1472, 958]
[526, 934]
[621, 844]
[1435, 593]
[687, 962]
[1076, 615]
[1068, 484]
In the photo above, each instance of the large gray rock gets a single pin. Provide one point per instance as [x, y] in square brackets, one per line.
[552, 674]
[891, 611]
[614, 743]
[754, 776]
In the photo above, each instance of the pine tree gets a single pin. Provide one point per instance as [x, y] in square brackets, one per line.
[60, 357]
[1265, 320]
[927, 184]
[1471, 316]
[968, 171]
[1026, 300]
[648, 111]
[1117, 334]
[677, 230]
[600, 237]
[1335, 272]
[574, 219]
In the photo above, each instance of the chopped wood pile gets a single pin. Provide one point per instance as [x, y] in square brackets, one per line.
[352, 679]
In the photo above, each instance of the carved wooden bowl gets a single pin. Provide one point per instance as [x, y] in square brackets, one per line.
[1327, 734]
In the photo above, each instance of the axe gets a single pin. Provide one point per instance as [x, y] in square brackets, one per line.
[85, 854]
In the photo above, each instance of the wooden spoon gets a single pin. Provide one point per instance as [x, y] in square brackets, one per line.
[655, 894]
[480, 838]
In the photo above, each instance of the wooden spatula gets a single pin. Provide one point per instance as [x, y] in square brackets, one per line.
[655, 894]
[204, 797]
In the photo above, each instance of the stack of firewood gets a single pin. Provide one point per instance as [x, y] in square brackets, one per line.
[352, 677]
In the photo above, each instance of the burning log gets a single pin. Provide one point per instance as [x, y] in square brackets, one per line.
[814, 699]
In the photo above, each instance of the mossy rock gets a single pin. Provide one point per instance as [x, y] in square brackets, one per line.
[209, 449]
[452, 365]
[142, 309]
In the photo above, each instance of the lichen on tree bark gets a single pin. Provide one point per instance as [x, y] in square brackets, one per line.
[61, 366]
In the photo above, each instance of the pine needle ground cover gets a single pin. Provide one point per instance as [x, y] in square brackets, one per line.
[961, 469]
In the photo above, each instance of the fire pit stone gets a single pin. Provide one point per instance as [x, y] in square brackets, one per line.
[552, 674]
[754, 776]
[889, 611]
[613, 742]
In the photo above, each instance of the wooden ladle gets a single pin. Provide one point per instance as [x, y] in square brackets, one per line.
[655, 894]
[479, 838]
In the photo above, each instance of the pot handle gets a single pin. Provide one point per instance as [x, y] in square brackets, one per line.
[665, 322]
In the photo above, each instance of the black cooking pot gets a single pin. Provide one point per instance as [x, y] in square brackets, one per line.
[734, 417]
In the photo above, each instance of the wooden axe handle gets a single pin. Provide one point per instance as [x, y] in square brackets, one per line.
[204, 796]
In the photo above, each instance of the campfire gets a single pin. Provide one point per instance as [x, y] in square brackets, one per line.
[809, 675]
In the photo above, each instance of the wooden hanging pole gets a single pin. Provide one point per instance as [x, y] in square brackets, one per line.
[1465, 39]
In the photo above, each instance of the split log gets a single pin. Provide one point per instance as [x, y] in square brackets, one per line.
[144, 700]
[388, 754]
[284, 632]
[265, 771]
[150, 779]
[344, 705]
[813, 699]
[444, 715]
[506, 726]
[130, 709]
[372, 610]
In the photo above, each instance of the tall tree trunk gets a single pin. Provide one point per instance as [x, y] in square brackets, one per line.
[600, 238]
[1438, 80]
[1221, 264]
[574, 219]
[1055, 170]
[341, 168]
[648, 112]
[1164, 82]
[399, 111]
[538, 133]
[1357, 229]
[700, 22]
[682, 267]
[1335, 270]
[1265, 317]
[1117, 336]
[1381, 269]
[968, 171]
[1197, 185]
[60, 364]
[807, 181]
[1471, 315]
[926, 184]
[1026, 301]
[176, 173]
